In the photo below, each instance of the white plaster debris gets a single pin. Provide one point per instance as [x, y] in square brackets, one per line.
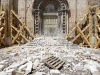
[3, 62]
[55, 72]
[14, 66]
[78, 60]
[10, 72]
[1, 67]
[29, 68]
[21, 68]
[39, 73]
[36, 63]
[78, 66]
[3, 73]
[92, 66]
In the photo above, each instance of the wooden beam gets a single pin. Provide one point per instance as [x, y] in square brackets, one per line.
[33, 36]
[17, 17]
[83, 36]
[25, 38]
[1, 29]
[17, 41]
[75, 38]
[14, 28]
[96, 45]
[20, 30]
[2, 41]
[90, 28]
[70, 33]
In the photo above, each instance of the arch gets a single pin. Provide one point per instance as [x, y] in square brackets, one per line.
[41, 7]
[37, 3]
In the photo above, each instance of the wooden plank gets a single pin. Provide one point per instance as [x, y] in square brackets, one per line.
[90, 28]
[98, 41]
[83, 36]
[21, 34]
[33, 36]
[60, 65]
[88, 36]
[1, 29]
[96, 23]
[1, 17]
[75, 26]
[21, 72]
[75, 38]
[81, 44]
[54, 62]
[24, 38]
[2, 41]
[96, 45]
[14, 28]
[17, 17]
[17, 41]
[55, 65]
[20, 30]
[48, 59]
[70, 33]
[11, 23]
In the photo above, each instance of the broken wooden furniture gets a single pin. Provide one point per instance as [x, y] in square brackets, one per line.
[3, 28]
[86, 32]
[20, 33]
[54, 62]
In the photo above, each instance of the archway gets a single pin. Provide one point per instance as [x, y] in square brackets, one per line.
[50, 16]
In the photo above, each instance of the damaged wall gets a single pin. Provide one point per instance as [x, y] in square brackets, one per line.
[78, 9]
[5, 4]
[79, 5]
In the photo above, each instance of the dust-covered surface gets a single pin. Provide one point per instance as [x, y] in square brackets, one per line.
[27, 59]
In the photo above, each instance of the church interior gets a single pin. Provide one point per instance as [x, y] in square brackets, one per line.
[49, 37]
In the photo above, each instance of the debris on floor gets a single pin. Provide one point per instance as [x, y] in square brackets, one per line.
[58, 53]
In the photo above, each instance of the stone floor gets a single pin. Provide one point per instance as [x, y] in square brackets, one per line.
[27, 59]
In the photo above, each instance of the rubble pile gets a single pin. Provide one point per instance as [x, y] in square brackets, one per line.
[28, 59]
